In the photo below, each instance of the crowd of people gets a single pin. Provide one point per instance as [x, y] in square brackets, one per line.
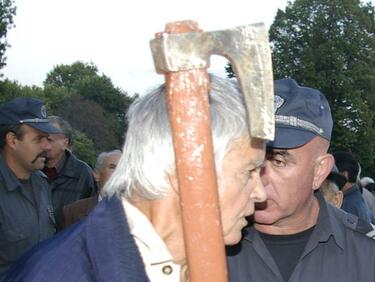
[290, 210]
[44, 187]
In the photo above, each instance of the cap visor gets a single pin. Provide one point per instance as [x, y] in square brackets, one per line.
[287, 138]
[45, 127]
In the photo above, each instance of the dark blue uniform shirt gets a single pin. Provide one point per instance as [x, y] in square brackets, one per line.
[338, 250]
[23, 221]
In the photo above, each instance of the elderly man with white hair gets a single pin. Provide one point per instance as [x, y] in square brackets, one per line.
[142, 214]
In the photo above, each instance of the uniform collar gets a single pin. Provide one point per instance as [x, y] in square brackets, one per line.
[327, 224]
[352, 190]
[9, 178]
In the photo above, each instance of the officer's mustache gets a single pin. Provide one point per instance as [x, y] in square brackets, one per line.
[41, 155]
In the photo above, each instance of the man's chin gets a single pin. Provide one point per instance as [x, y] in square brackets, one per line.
[263, 217]
[233, 239]
[49, 163]
[39, 165]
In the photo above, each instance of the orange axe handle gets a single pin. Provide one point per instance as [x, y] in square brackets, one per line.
[187, 98]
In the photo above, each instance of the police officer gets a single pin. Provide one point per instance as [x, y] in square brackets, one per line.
[296, 235]
[26, 213]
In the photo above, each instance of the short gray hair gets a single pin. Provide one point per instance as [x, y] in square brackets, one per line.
[148, 156]
[329, 188]
[102, 156]
[64, 126]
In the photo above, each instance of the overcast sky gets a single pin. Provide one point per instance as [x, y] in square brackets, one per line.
[113, 34]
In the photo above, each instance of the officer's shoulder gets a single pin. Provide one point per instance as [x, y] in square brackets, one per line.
[354, 223]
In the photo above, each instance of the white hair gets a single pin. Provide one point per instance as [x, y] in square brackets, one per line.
[366, 180]
[102, 156]
[148, 156]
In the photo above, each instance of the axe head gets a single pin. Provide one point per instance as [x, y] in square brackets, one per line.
[248, 50]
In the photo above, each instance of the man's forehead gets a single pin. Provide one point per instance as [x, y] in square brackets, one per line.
[27, 129]
[112, 160]
[56, 136]
[279, 151]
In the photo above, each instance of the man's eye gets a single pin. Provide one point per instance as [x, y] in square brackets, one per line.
[278, 162]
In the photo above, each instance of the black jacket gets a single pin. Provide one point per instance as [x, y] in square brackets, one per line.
[75, 181]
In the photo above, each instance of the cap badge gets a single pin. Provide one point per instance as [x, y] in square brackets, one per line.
[279, 101]
[43, 111]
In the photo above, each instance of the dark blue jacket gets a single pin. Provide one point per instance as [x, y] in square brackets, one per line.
[355, 204]
[99, 248]
[337, 250]
[23, 222]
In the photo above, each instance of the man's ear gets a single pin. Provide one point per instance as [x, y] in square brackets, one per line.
[66, 143]
[10, 139]
[338, 199]
[323, 167]
[96, 175]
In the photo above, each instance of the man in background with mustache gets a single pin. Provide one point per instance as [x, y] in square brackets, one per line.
[26, 212]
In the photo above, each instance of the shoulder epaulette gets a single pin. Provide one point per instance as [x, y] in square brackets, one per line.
[357, 224]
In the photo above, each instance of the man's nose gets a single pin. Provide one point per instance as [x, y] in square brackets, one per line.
[264, 174]
[46, 144]
[259, 193]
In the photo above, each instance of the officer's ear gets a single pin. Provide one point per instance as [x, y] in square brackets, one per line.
[323, 166]
[10, 139]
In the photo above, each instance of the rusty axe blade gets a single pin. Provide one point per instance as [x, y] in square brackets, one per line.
[248, 50]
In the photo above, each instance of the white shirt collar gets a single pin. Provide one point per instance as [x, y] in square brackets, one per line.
[155, 254]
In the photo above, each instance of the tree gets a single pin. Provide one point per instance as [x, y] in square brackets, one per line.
[7, 12]
[84, 79]
[12, 89]
[330, 45]
[89, 118]
[83, 148]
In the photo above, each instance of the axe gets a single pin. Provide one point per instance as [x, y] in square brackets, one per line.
[182, 53]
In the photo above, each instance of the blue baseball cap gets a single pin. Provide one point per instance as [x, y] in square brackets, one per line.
[29, 111]
[301, 113]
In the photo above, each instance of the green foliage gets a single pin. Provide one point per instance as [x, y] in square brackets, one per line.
[89, 101]
[83, 148]
[330, 45]
[84, 80]
[11, 89]
[89, 118]
[7, 12]
[54, 97]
